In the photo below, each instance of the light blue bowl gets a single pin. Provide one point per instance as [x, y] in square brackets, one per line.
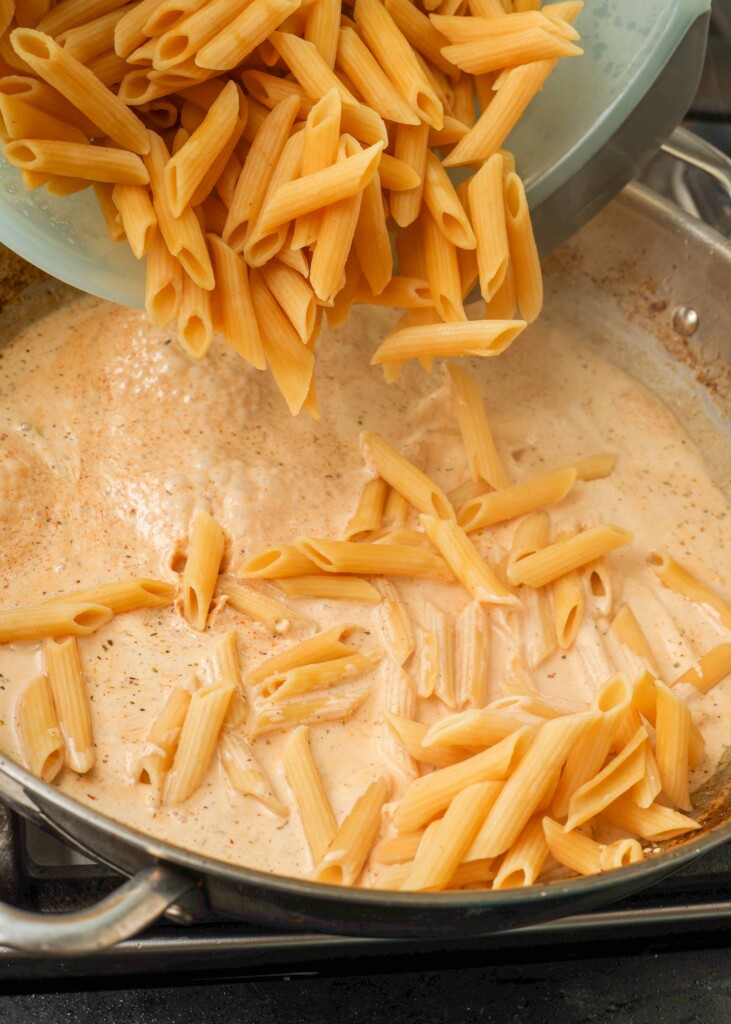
[627, 44]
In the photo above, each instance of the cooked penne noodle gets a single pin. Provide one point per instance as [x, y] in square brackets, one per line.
[523, 252]
[627, 630]
[616, 778]
[163, 283]
[675, 577]
[482, 456]
[442, 271]
[183, 235]
[396, 470]
[239, 323]
[711, 669]
[251, 187]
[572, 849]
[292, 363]
[620, 853]
[342, 556]
[398, 60]
[330, 588]
[323, 188]
[521, 84]
[322, 27]
[82, 88]
[398, 697]
[188, 168]
[195, 323]
[43, 744]
[644, 699]
[436, 861]
[427, 797]
[79, 160]
[162, 741]
[466, 563]
[277, 617]
[200, 575]
[137, 216]
[103, 193]
[359, 64]
[21, 120]
[472, 338]
[527, 785]
[427, 661]
[485, 53]
[561, 557]
[488, 216]
[246, 774]
[371, 238]
[62, 618]
[71, 701]
[394, 623]
[320, 149]
[226, 668]
[316, 815]
[236, 40]
[282, 561]
[598, 583]
[321, 647]
[198, 740]
[401, 292]
[397, 849]
[672, 744]
[524, 861]
[440, 625]
[472, 657]
[176, 40]
[545, 489]
[369, 513]
[310, 69]
[568, 603]
[261, 244]
[444, 205]
[410, 734]
[46, 100]
[655, 822]
[588, 756]
[122, 596]
[476, 728]
[319, 676]
[410, 149]
[343, 860]
[336, 706]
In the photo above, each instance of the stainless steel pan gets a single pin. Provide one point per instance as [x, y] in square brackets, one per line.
[644, 284]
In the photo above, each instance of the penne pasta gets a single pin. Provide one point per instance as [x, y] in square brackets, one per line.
[55, 619]
[239, 323]
[202, 566]
[656, 822]
[472, 338]
[163, 282]
[246, 774]
[330, 588]
[291, 362]
[472, 658]
[466, 563]
[482, 456]
[546, 489]
[568, 603]
[122, 596]
[236, 40]
[319, 676]
[711, 669]
[524, 861]
[427, 797]
[399, 698]
[436, 861]
[341, 556]
[527, 785]
[276, 616]
[410, 734]
[672, 744]
[316, 815]
[282, 561]
[343, 860]
[71, 701]
[395, 469]
[616, 778]
[561, 557]
[572, 849]
[162, 741]
[674, 576]
[198, 739]
[43, 744]
[394, 623]
[359, 64]
[336, 706]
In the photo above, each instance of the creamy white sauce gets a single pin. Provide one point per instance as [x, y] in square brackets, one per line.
[112, 436]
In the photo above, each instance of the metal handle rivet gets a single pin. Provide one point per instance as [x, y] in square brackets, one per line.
[686, 320]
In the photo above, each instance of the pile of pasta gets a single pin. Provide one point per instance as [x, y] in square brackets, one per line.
[263, 154]
[496, 793]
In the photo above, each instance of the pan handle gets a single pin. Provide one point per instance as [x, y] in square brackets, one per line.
[694, 150]
[123, 913]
